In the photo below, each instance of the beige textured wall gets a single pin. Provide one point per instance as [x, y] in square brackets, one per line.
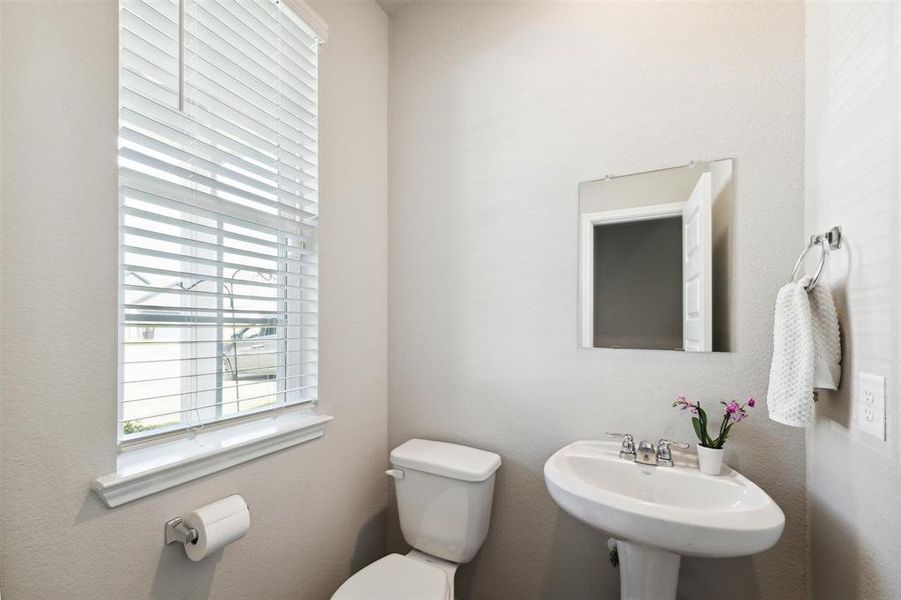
[318, 508]
[852, 168]
[497, 111]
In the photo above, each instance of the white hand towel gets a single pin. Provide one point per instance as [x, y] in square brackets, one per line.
[827, 350]
[790, 394]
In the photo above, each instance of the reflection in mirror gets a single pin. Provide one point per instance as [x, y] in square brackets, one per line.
[654, 259]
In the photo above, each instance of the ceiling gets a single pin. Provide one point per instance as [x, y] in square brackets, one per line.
[390, 6]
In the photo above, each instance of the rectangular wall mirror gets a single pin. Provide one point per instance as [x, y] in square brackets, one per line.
[654, 259]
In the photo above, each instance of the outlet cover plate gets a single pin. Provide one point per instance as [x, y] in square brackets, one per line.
[871, 404]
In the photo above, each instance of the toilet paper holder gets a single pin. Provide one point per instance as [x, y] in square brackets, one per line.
[177, 531]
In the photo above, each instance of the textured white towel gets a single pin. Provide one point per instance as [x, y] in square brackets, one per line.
[827, 350]
[806, 352]
[790, 395]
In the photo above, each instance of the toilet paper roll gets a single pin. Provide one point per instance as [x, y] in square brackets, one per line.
[217, 524]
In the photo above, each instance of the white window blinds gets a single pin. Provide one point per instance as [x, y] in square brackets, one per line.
[219, 212]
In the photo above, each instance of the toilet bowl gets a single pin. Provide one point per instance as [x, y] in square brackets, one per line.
[444, 495]
[397, 577]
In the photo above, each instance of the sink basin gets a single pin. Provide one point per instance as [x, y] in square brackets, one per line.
[658, 514]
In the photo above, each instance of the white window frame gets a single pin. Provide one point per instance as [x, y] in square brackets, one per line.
[161, 460]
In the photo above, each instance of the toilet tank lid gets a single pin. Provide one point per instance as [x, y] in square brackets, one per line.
[445, 459]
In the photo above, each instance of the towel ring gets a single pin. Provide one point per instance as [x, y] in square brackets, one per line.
[830, 239]
[816, 276]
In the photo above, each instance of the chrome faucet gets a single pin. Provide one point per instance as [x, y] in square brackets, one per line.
[647, 454]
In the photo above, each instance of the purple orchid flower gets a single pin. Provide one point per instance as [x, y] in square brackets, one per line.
[684, 404]
[733, 412]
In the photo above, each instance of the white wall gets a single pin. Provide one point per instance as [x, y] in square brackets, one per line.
[497, 111]
[318, 508]
[852, 179]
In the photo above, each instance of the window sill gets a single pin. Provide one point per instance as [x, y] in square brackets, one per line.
[156, 467]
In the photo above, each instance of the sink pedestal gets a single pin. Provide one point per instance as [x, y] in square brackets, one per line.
[647, 573]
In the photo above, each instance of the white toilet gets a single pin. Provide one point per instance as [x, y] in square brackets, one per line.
[444, 494]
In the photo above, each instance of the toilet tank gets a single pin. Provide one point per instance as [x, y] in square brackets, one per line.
[444, 494]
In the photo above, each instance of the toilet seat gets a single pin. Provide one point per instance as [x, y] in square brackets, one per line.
[396, 577]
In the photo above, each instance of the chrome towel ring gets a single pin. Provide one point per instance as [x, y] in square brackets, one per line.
[830, 240]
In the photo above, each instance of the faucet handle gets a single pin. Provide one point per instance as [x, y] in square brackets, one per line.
[664, 442]
[628, 440]
[627, 449]
[664, 456]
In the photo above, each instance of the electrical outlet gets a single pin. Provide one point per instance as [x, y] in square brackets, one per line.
[871, 404]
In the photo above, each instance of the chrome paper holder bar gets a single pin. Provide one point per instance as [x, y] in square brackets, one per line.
[177, 531]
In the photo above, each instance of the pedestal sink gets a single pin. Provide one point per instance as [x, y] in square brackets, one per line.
[658, 514]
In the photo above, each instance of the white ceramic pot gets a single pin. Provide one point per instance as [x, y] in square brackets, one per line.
[710, 460]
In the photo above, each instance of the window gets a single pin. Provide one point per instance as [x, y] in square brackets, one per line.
[219, 212]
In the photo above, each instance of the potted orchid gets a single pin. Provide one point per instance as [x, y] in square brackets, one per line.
[710, 449]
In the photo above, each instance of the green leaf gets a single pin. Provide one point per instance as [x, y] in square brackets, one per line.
[724, 424]
[725, 434]
[721, 440]
[696, 423]
[705, 434]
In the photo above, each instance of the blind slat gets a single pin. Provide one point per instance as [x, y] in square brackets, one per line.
[219, 404]
[199, 358]
[140, 106]
[160, 220]
[237, 386]
[228, 280]
[228, 65]
[248, 198]
[162, 361]
[213, 373]
[182, 292]
[276, 222]
[150, 253]
[195, 323]
[168, 309]
[132, 197]
[149, 234]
